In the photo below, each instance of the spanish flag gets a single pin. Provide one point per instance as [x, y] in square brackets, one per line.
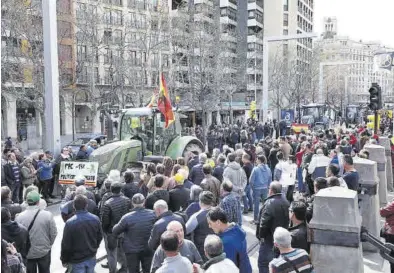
[164, 102]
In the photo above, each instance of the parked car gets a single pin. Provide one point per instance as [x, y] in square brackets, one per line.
[82, 140]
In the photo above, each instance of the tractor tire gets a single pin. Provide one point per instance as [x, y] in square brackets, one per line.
[191, 147]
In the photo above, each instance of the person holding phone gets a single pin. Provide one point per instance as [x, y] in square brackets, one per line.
[45, 175]
[11, 260]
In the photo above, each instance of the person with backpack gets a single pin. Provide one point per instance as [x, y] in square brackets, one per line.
[42, 231]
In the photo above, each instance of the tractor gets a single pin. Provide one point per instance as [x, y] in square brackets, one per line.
[143, 138]
[317, 116]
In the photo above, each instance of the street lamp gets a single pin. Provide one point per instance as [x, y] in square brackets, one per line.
[266, 41]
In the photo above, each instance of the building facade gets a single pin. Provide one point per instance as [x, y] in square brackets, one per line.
[355, 78]
[22, 64]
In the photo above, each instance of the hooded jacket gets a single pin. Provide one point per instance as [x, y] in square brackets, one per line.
[261, 177]
[45, 168]
[234, 244]
[237, 176]
[13, 232]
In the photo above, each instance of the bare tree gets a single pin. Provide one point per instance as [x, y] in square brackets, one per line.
[22, 57]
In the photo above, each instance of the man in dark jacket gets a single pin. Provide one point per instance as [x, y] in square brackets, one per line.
[13, 232]
[82, 153]
[179, 196]
[196, 173]
[81, 238]
[130, 188]
[13, 178]
[136, 226]
[219, 169]
[67, 209]
[159, 193]
[273, 214]
[164, 216]
[7, 203]
[297, 213]
[193, 161]
[113, 210]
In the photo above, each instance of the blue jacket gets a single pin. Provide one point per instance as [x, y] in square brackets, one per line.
[261, 177]
[46, 169]
[196, 174]
[136, 226]
[81, 238]
[234, 243]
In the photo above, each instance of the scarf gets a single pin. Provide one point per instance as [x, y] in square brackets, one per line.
[214, 260]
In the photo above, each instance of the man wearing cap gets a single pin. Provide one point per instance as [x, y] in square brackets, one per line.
[164, 216]
[113, 210]
[79, 181]
[67, 209]
[42, 233]
[81, 238]
[179, 195]
[198, 224]
[82, 153]
[136, 226]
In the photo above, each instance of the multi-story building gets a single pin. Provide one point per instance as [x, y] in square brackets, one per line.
[122, 47]
[278, 18]
[356, 77]
[22, 63]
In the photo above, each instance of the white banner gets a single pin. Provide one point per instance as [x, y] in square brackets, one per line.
[69, 170]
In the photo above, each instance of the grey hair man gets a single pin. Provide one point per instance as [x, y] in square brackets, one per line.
[273, 214]
[174, 263]
[217, 261]
[164, 216]
[291, 258]
[136, 226]
[186, 248]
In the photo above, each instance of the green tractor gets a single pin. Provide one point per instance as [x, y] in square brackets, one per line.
[142, 138]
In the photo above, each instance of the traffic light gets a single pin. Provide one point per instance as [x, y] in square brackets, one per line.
[375, 97]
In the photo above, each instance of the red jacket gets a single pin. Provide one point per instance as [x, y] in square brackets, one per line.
[388, 213]
[353, 140]
[299, 156]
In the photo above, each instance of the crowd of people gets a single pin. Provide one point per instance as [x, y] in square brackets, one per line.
[182, 215]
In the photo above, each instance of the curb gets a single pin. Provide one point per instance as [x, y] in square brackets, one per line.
[54, 203]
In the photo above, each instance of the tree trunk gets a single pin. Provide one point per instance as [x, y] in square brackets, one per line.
[204, 129]
[231, 110]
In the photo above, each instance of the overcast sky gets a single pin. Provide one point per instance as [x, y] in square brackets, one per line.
[368, 20]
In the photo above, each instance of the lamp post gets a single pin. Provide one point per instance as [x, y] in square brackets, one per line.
[266, 41]
[51, 76]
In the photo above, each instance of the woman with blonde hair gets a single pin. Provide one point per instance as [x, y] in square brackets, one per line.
[28, 173]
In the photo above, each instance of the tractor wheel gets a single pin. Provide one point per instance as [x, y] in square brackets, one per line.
[191, 147]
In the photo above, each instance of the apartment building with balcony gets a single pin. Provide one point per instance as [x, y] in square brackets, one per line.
[22, 64]
[358, 76]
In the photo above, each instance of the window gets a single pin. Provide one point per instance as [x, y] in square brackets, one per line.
[154, 24]
[166, 62]
[155, 59]
[133, 57]
[107, 36]
[116, 17]
[107, 16]
[81, 52]
[117, 36]
[96, 75]
[107, 56]
[155, 78]
[83, 75]
[107, 76]
[285, 5]
[285, 19]
[285, 32]
[229, 12]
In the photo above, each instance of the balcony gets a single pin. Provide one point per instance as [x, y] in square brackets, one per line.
[254, 6]
[255, 23]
